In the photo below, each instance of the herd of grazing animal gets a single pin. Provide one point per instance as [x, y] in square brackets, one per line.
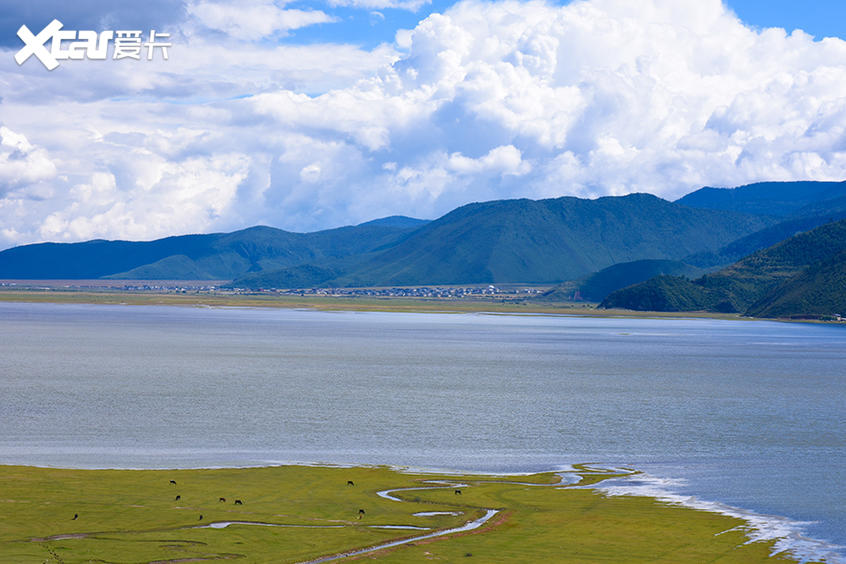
[220, 499]
[361, 512]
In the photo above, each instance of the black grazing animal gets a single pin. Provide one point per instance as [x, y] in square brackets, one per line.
[223, 499]
[178, 498]
[173, 482]
[457, 492]
[350, 483]
[238, 502]
[75, 516]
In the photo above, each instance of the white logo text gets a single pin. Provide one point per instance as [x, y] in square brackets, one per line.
[78, 45]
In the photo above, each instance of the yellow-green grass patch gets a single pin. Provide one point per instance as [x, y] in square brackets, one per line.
[133, 516]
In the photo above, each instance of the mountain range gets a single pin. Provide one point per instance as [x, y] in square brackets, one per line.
[598, 245]
[216, 256]
[803, 276]
[778, 199]
[543, 241]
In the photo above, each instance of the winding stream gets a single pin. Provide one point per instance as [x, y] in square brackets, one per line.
[565, 479]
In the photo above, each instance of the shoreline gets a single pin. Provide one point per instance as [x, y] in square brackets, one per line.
[441, 471]
[344, 303]
[512, 306]
[785, 535]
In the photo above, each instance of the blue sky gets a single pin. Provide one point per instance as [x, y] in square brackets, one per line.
[310, 115]
[821, 18]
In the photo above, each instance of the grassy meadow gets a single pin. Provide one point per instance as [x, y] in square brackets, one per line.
[336, 303]
[130, 516]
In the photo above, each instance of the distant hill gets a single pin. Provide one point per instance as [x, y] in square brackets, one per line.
[396, 221]
[300, 276]
[766, 237]
[779, 199]
[803, 275]
[598, 285]
[545, 241]
[531, 241]
[218, 256]
[665, 293]
[818, 291]
[798, 206]
[93, 259]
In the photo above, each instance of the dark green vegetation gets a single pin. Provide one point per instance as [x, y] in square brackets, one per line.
[818, 291]
[598, 285]
[664, 293]
[75, 516]
[804, 276]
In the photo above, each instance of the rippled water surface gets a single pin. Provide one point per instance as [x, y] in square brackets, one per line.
[752, 414]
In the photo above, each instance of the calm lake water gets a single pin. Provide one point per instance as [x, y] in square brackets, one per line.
[751, 414]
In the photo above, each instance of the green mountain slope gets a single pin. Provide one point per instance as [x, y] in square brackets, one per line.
[788, 278]
[598, 285]
[766, 237]
[538, 241]
[396, 221]
[819, 291]
[663, 293]
[94, 259]
[781, 199]
[220, 256]
[502, 241]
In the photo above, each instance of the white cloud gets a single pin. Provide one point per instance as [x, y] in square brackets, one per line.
[254, 19]
[193, 192]
[310, 173]
[487, 100]
[597, 97]
[505, 160]
[411, 5]
[21, 164]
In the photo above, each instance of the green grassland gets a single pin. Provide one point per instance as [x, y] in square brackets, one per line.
[335, 303]
[131, 516]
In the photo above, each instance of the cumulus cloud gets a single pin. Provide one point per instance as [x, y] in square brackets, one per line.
[194, 192]
[485, 100]
[254, 19]
[597, 97]
[201, 68]
[21, 164]
[501, 160]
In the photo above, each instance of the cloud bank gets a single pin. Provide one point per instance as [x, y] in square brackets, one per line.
[486, 100]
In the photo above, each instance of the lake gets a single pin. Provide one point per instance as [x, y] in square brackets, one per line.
[750, 414]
